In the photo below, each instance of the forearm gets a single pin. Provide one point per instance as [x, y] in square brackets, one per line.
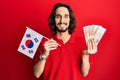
[85, 66]
[48, 46]
[39, 68]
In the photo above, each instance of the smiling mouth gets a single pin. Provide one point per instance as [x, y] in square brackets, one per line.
[62, 23]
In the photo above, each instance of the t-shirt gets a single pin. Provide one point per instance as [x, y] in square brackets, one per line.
[64, 62]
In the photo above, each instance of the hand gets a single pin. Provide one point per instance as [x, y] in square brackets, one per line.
[50, 45]
[92, 46]
[92, 40]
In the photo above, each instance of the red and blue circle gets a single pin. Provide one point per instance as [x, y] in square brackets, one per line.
[29, 43]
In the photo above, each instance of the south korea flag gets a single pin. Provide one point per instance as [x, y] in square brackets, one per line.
[30, 42]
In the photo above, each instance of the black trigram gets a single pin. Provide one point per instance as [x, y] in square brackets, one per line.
[23, 47]
[36, 40]
[30, 51]
[28, 35]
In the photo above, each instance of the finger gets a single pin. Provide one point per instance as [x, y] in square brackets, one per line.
[49, 49]
[52, 48]
[51, 45]
[89, 45]
[91, 49]
[94, 46]
[51, 40]
[94, 42]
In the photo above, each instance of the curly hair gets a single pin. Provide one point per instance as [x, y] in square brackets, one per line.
[51, 18]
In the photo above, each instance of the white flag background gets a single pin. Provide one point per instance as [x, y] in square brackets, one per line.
[93, 31]
[30, 42]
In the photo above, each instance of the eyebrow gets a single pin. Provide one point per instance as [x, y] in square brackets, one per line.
[57, 14]
[66, 14]
[60, 15]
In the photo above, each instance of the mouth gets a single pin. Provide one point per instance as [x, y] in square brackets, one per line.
[62, 24]
[62, 27]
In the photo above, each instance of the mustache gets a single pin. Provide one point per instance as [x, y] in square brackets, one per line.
[62, 23]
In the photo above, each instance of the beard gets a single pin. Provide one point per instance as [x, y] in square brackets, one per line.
[61, 30]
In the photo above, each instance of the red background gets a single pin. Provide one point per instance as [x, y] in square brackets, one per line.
[16, 14]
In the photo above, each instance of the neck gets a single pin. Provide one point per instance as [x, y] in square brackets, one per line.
[65, 36]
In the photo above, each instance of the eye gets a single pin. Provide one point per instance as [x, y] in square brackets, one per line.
[66, 16]
[57, 16]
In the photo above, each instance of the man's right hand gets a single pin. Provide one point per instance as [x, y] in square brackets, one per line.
[50, 45]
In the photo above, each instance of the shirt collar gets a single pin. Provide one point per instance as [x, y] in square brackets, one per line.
[70, 41]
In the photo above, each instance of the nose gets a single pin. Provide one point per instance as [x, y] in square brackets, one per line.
[61, 19]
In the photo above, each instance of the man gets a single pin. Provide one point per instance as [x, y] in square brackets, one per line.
[64, 57]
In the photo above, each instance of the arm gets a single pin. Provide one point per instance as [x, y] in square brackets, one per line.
[39, 66]
[92, 49]
[85, 66]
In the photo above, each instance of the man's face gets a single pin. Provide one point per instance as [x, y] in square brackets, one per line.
[62, 19]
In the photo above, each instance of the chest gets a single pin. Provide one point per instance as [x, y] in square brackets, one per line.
[65, 54]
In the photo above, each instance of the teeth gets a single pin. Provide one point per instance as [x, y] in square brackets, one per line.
[62, 25]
